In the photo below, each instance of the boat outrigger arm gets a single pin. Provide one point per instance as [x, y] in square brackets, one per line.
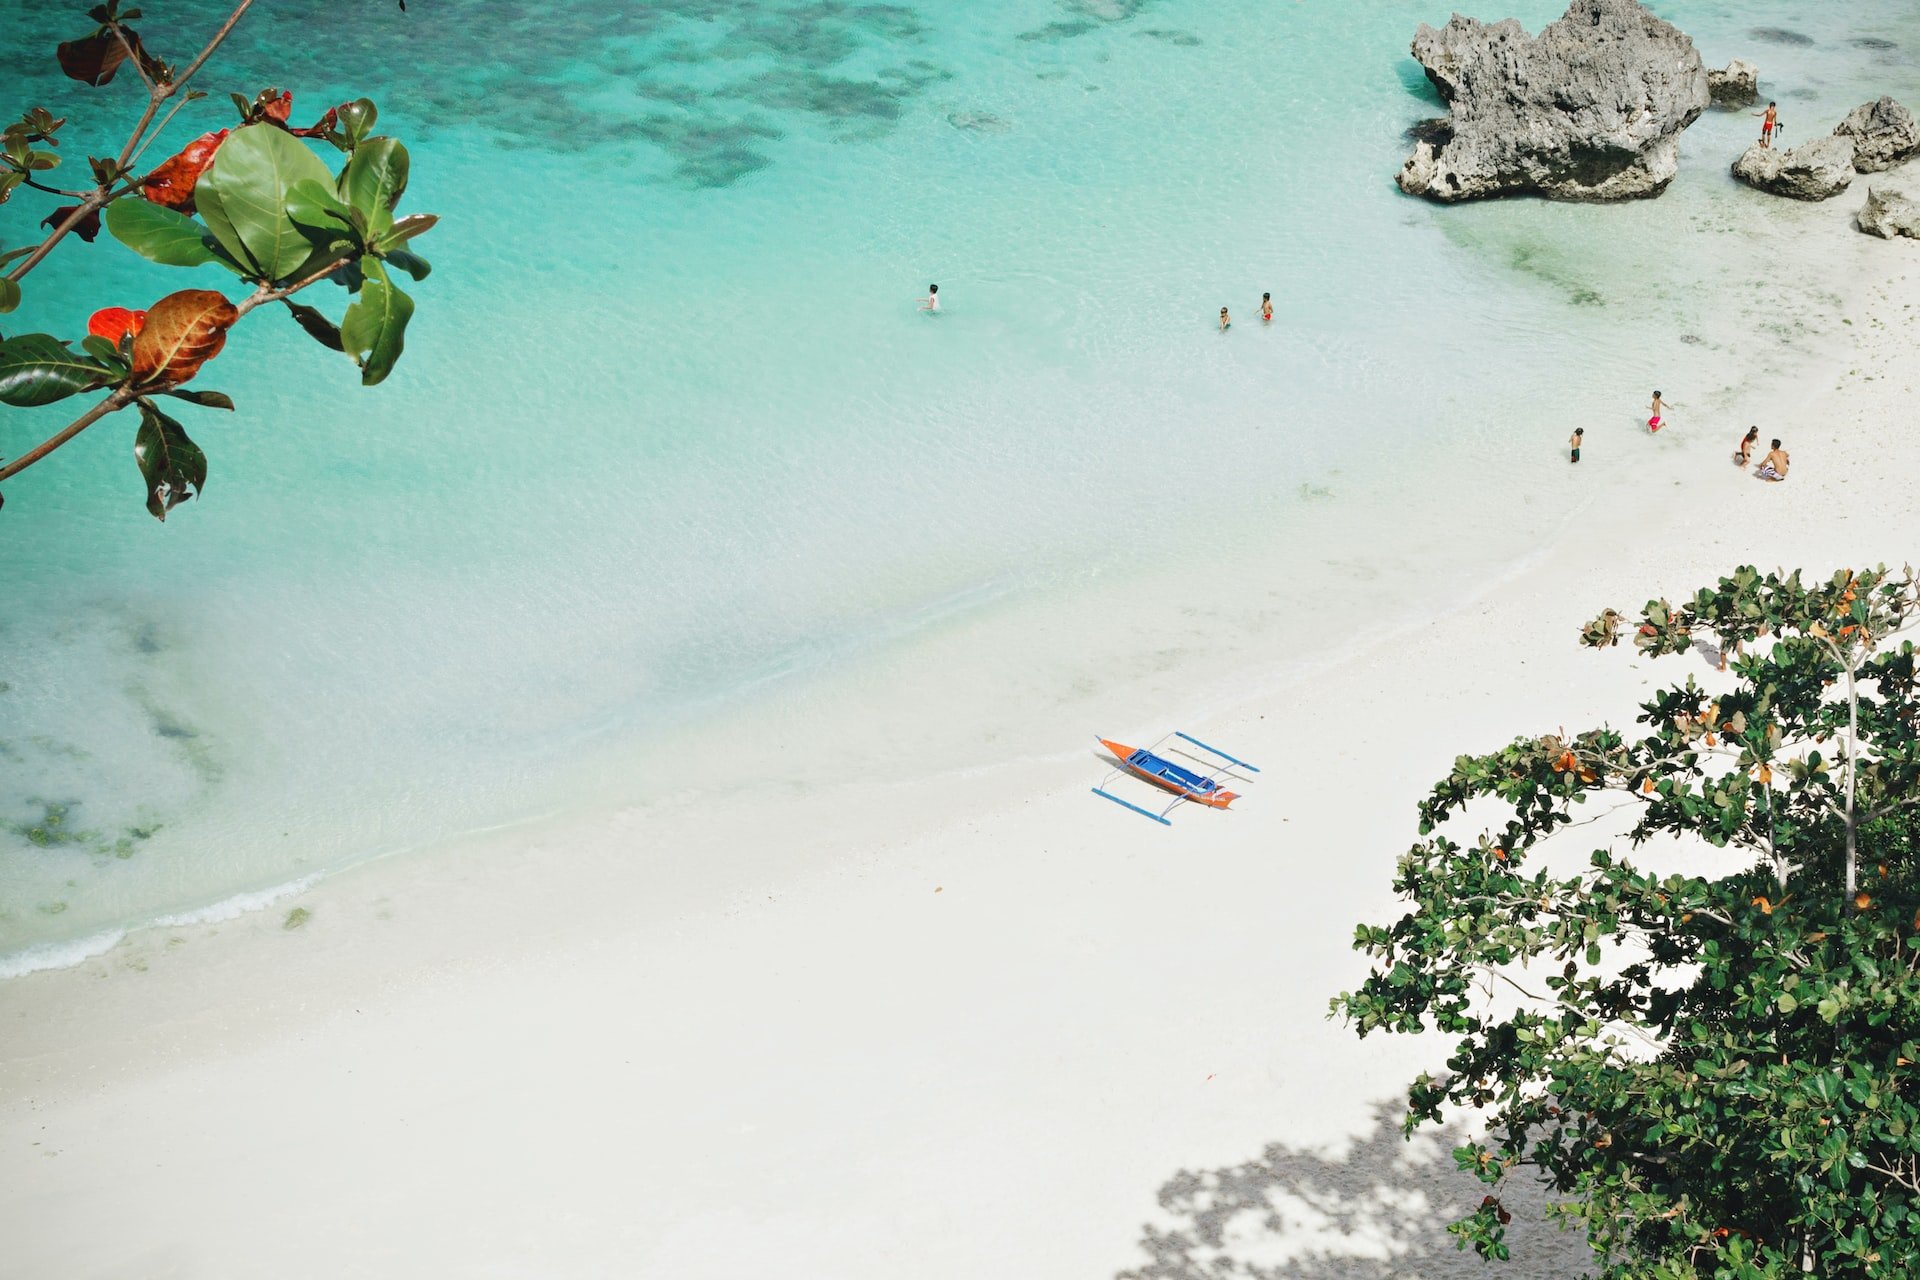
[1185, 784]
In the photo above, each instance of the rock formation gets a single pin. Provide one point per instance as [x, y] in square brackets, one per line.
[1590, 109]
[1887, 215]
[1817, 170]
[1737, 86]
[1884, 134]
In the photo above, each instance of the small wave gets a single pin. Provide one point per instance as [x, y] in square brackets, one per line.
[72, 951]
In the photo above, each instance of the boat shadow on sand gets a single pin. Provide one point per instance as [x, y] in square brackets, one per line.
[1377, 1211]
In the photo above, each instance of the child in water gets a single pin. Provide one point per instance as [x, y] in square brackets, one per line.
[1226, 322]
[1573, 441]
[1745, 451]
[1657, 409]
[1266, 308]
[932, 301]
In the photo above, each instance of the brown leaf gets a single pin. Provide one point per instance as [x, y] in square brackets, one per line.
[87, 228]
[95, 59]
[183, 331]
[173, 182]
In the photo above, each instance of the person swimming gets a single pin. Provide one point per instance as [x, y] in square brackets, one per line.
[1226, 321]
[932, 301]
[1266, 308]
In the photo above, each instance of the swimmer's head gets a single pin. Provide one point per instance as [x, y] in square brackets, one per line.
[933, 288]
[1266, 297]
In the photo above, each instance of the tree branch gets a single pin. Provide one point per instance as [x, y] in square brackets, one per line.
[157, 94]
[120, 399]
[125, 395]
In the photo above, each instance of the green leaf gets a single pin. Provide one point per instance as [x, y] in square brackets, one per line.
[38, 368]
[105, 352]
[243, 198]
[317, 210]
[375, 178]
[411, 263]
[207, 399]
[159, 234]
[356, 119]
[9, 295]
[374, 330]
[170, 463]
[322, 330]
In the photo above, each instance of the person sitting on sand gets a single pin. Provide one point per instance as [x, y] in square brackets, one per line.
[1266, 308]
[1769, 122]
[1226, 321]
[1657, 410]
[1774, 465]
[932, 301]
[1744, 453]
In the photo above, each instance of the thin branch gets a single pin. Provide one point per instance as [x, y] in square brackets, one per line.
[139, 63]
[55, 191]
[120, 399]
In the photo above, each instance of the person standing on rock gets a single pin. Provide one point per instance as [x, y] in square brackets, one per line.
[1657, 410]
[1769, 121]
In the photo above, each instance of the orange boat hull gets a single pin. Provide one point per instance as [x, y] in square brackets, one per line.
[1212, 799]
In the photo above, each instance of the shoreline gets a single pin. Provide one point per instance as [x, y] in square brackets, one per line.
[824, 1029]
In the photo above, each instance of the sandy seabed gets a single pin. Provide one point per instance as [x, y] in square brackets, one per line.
[975, 1024]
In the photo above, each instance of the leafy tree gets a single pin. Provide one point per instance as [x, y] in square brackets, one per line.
[254, 198]
[1715, 1074]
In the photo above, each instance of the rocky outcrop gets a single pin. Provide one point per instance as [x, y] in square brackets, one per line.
[1817, 170]
[1590, 109]
[1884, 134]
[1737, 86]
[1887, 215]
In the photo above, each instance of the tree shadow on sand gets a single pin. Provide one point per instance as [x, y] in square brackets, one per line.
[1377, 1211]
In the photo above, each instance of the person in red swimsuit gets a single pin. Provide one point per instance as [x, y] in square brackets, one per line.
[1769, 121]
[1658, 410]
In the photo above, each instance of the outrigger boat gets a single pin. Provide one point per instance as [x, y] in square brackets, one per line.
[1185, 784]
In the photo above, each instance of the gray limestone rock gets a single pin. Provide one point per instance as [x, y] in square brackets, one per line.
[1590, 109]
[1737, 86]
[1888, 214]
[1884, 134]
[1817, 170]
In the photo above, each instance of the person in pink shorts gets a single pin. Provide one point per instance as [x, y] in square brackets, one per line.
[1658, 411]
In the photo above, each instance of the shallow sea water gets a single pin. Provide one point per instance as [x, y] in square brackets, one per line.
[670, 435]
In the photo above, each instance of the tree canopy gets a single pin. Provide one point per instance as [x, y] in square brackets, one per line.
[1714, 1074]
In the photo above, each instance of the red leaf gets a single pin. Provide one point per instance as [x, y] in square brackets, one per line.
[276, 105]
[87, 228]
[183, 331]
[95, 59]
[112, 323]
[321, 126]
[173, 182]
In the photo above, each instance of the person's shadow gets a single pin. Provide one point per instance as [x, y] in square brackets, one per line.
[1378, 1211]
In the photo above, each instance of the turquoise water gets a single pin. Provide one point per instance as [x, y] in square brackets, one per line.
[670, 433]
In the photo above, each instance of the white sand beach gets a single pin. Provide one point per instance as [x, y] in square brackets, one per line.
[975, 1024]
